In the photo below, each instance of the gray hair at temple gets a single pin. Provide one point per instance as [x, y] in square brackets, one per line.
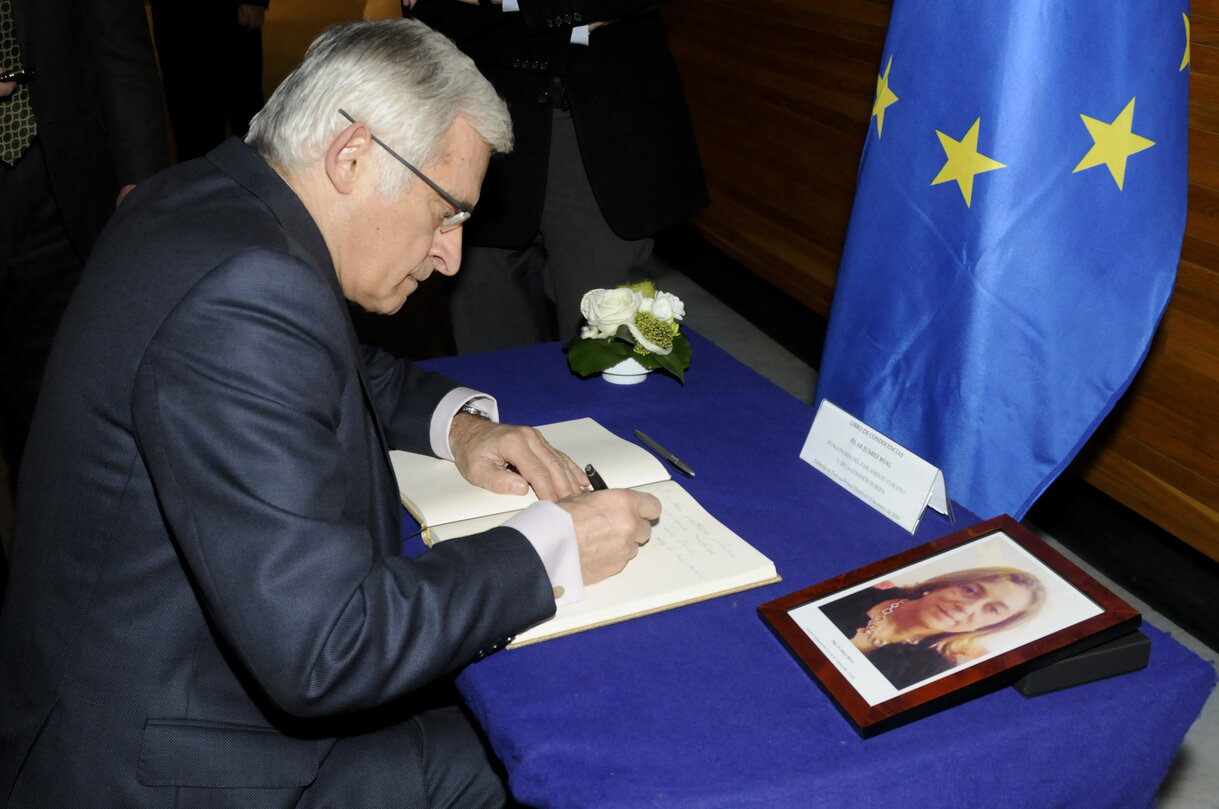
[407, 82]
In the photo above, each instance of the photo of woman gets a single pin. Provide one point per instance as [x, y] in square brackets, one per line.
[930, 625]
[913, 632]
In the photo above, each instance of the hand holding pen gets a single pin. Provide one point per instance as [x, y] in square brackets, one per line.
[610, 524]
[595, 479]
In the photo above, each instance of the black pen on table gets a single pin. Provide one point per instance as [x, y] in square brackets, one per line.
[595, 478]
[681, 465]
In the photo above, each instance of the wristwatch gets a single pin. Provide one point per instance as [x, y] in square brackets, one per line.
[474, 411]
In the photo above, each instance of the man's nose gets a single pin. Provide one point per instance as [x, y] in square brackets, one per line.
[446, 248]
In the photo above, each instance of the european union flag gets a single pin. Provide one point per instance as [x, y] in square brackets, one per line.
[1015, 235]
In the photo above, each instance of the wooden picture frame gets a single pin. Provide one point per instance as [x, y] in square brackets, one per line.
[944, 622]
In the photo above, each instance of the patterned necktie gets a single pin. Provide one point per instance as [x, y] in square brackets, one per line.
[17, 125]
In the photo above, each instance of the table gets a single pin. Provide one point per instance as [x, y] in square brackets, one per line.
[702, 707]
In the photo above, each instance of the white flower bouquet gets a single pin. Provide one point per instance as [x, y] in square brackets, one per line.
[631, 321]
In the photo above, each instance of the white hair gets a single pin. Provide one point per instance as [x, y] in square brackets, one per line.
[407, 82]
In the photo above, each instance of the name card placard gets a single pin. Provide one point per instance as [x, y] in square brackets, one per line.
[873, 467]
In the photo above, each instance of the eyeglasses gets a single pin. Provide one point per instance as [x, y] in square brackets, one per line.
[453, 220]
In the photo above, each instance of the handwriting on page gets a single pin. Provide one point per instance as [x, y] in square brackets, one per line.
[691, 540]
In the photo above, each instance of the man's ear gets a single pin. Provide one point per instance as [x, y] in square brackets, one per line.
[347, 156]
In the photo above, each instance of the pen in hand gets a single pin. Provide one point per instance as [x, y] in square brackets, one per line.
[594, 478]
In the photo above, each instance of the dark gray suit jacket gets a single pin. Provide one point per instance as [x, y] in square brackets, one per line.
[207, 586]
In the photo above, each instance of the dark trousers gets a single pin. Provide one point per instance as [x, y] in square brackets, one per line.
[39, 269]
[211, 69]
[434, 760]
[501, 298]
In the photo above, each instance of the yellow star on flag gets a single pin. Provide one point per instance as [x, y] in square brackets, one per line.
[964, 161]
[1113, 143]
[884, 98]
[1185, 58]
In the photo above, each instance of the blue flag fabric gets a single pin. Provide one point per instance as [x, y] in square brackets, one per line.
[1015, 234]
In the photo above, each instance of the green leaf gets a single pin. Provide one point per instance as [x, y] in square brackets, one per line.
[588, 357]
[646, 360]
[592, 356]
[681, 350]
[677, 360]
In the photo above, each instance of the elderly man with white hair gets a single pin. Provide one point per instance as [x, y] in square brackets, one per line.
[208, 605]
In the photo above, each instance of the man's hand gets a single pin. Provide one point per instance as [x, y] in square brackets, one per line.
[484, 450]
[610, 527]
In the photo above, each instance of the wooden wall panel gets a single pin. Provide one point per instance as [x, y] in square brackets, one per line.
[781, 91]
[1159, 451]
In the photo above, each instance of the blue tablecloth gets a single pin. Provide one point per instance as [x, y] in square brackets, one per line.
[702, 707]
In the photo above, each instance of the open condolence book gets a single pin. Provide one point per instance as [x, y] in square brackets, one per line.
[691, 556]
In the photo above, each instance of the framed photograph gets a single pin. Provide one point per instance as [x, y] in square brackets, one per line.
[944, 622]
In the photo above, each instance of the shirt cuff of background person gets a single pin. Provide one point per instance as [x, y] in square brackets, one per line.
[579, 34]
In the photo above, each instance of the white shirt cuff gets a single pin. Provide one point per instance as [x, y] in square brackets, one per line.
[579, 34]
[553, 535]
[450, 405]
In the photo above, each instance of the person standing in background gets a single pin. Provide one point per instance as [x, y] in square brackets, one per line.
[87, 125]
[605, 158]
[211, 63]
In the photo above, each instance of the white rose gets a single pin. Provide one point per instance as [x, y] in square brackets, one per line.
[607, 309]
[668, 306]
